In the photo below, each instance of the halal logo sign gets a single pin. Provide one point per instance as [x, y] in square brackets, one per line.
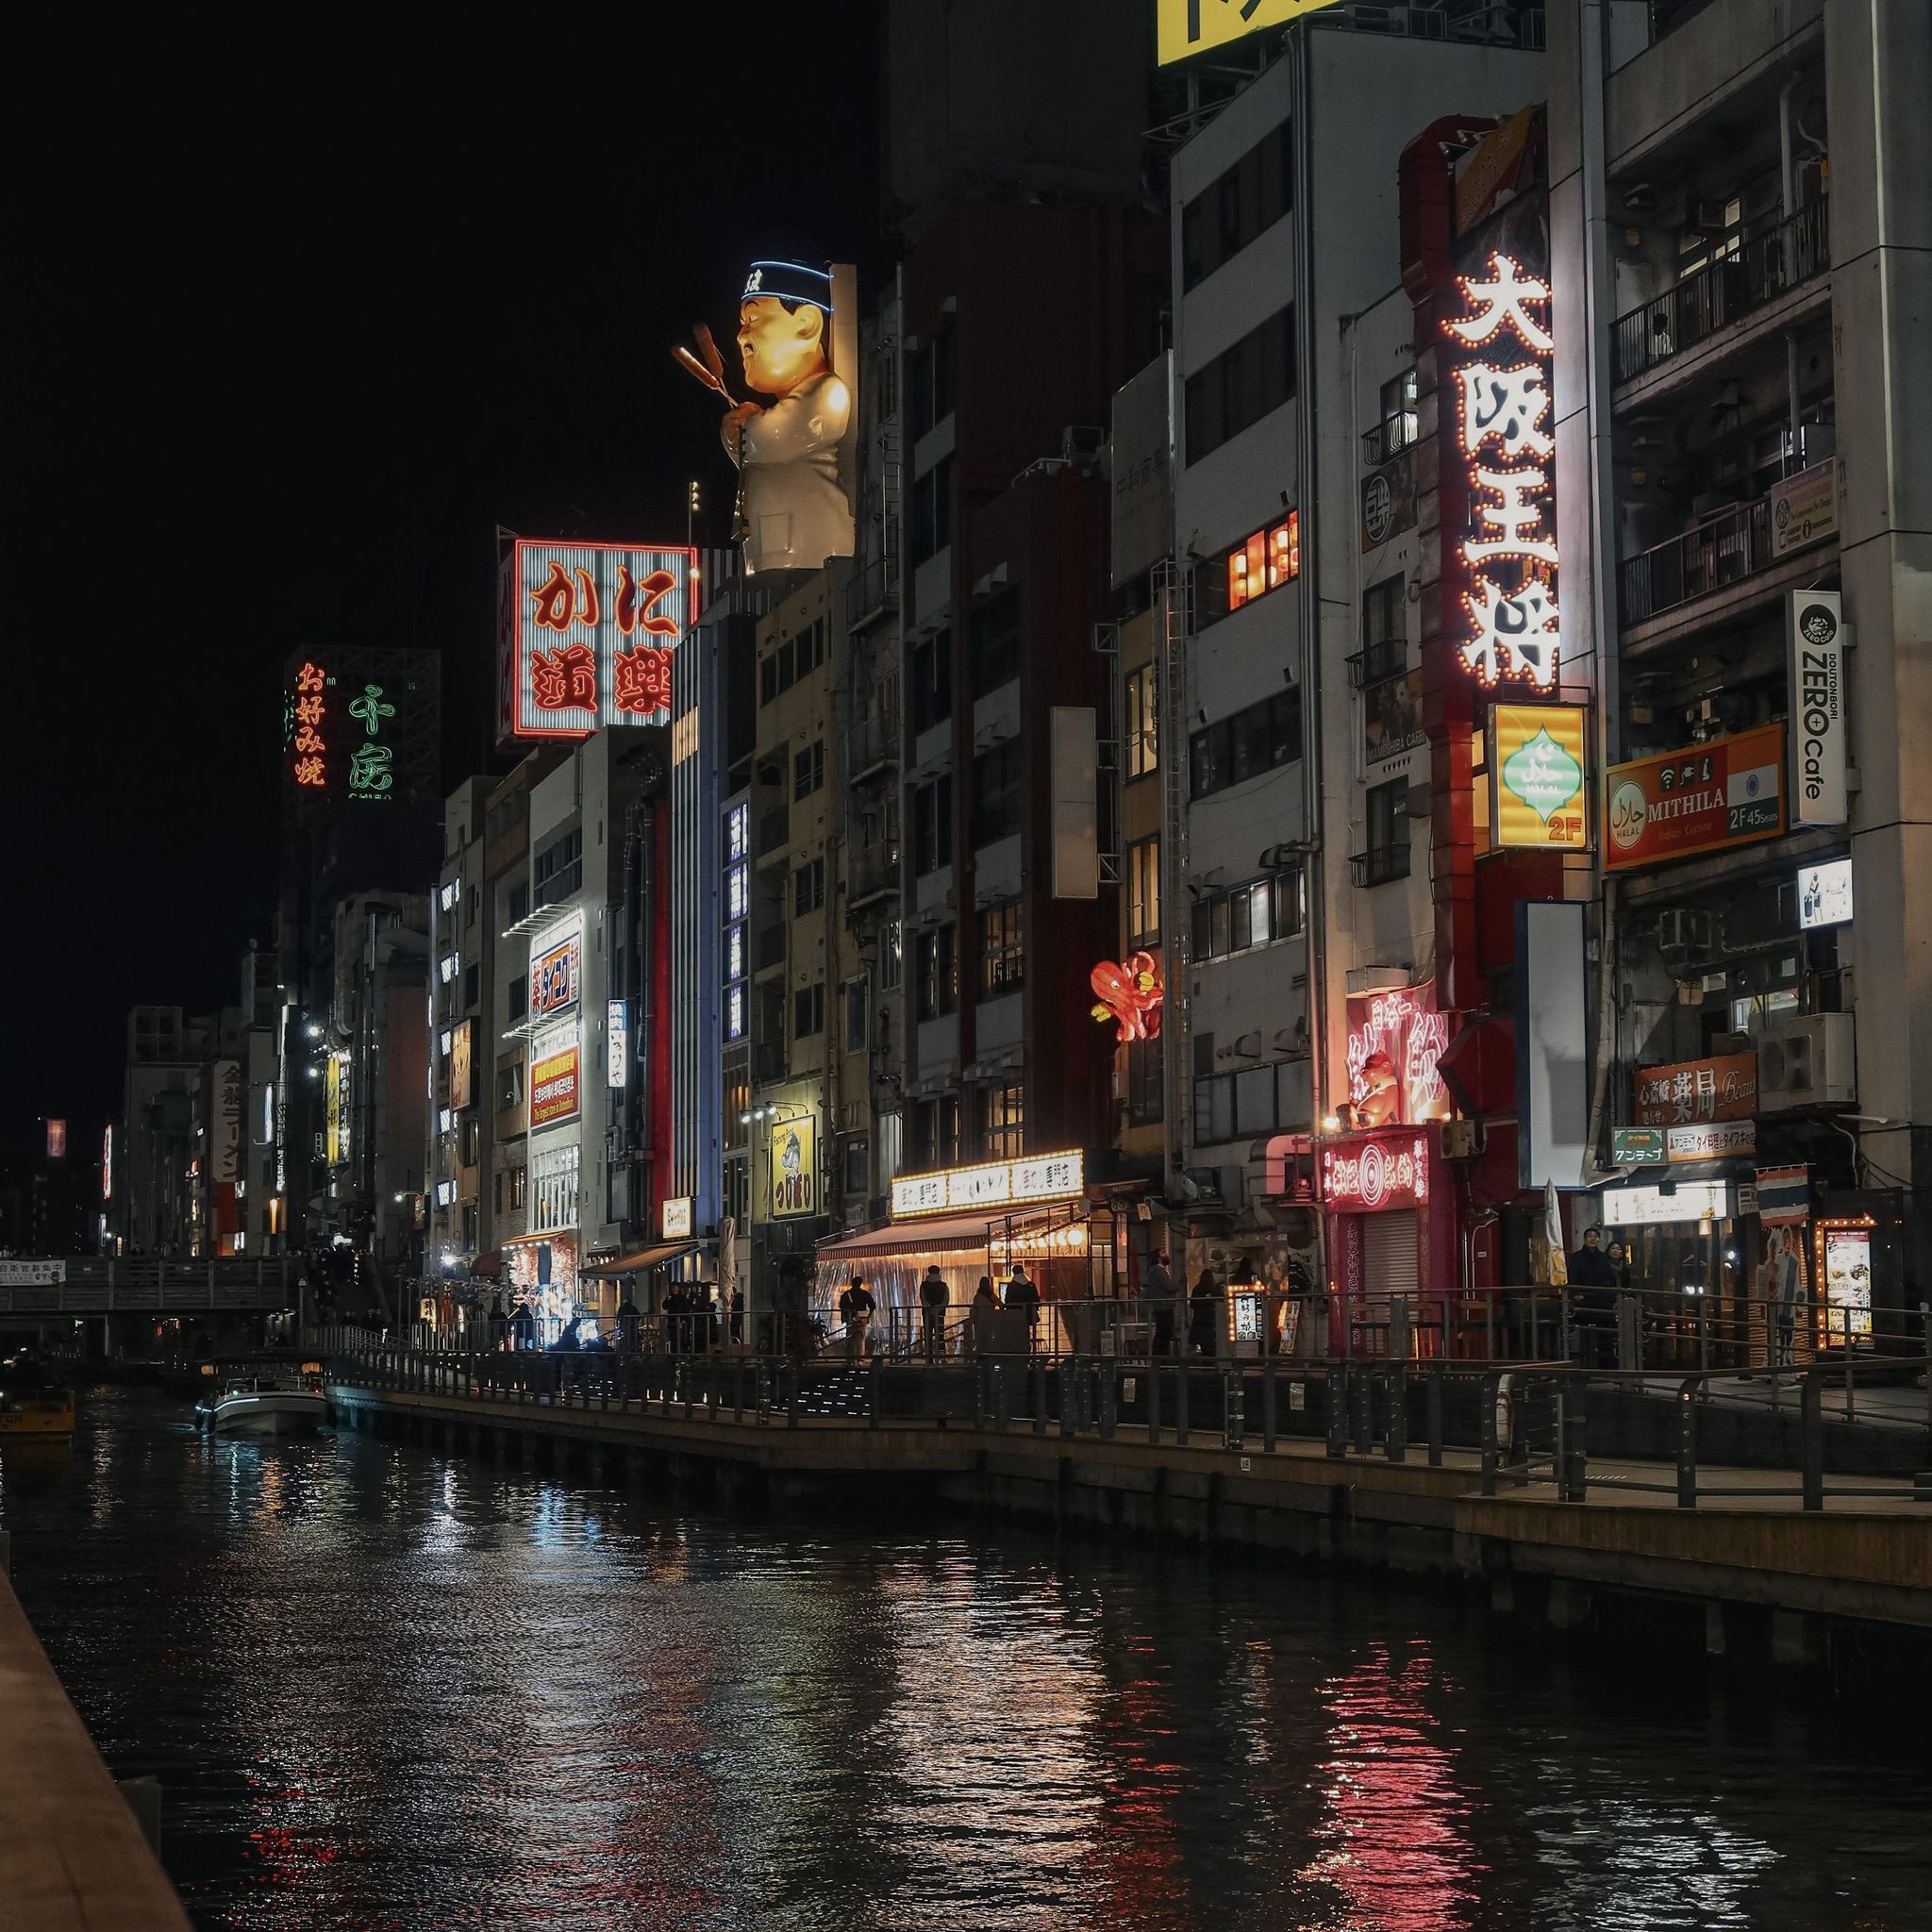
[1543, 774]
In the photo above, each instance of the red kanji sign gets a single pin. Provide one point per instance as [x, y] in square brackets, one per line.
[641, 680]
[567, 677]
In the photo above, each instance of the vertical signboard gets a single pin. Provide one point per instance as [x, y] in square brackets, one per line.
[794, 1168]
[1814, 634]
[1537, 760]
[1552, 1044]
[592, 626]
[1076, 765]
[461, 1062]
[227, 1121]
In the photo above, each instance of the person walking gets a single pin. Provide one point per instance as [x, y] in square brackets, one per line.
[1203, 1305]
[1158, 1291]
[1021, 1293]
[1592, 1301]
[855, 1308]
[934, 1295]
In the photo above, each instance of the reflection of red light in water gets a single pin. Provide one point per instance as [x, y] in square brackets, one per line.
[1139, 1845]
[1395, 1850]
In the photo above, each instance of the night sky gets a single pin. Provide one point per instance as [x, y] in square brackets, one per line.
[279, 356]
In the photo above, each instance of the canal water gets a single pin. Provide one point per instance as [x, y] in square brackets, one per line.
[389, 1687]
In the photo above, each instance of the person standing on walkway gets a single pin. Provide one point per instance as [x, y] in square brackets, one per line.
[856, 1306]
[1785, 1275]
[1203, 1305]
[1157, 1290]
[986, 1304]
[933, 1297]
[1021, 1293]
[738, 1317]
[1592, 1301]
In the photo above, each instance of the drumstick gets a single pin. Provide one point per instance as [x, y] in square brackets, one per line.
[686, 360]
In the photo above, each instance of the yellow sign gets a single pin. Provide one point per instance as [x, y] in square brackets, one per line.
[1538, 767]
[1191, 26]
[337, 1119]
[794, 1168]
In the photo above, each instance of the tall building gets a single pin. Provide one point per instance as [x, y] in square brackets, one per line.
[1739, 235]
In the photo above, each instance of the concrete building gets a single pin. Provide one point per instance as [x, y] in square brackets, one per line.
[1743, 255]
[1286, 859]
[149, 1208]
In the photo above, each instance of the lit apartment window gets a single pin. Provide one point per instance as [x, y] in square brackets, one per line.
[1003, 1122]
[1143, 891]
[1265, 561]
[1001, 952]
[1142, 748]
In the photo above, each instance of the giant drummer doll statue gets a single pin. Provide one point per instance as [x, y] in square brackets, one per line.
[795, 454]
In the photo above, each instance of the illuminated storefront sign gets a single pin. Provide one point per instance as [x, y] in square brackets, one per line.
[617, 1044]
[1267, 560]
[339, 738]
[1651, 1207]
[1705, 798]
[1536, 798]
[108, 1164]
[799, 345]
[1686, 1091]
[553, 1094]
[555, 976]
[225, 1141]
[1192, 27]
[794, 1168]
[993, 1184]
[1710, 1141]
[1395, 1038]
[591, 634]
[1365, 1175]
[675, 1217]
[1130, 995]
[1504, 433]
[336, 1111]
[1842, 1258]
[1815, 645]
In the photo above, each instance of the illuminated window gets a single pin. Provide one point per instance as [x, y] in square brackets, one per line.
[737, 891]
[1143, 891]
[1267, 560]
[734, 953]
[891, 956]
[734, 1013]
[1003, 1122]
[1002, 951]
[452, 890]
[738, 832]
[937, 965]
[446, 967]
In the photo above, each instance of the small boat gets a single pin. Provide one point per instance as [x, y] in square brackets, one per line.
[264, 1406]
[33, 1406]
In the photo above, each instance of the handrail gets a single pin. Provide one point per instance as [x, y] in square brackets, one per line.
[1729, 548]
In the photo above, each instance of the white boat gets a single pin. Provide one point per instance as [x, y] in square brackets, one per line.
[258, 1405]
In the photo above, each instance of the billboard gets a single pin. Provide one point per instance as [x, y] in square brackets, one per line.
[1536, 769]
[1720, 1089]
[1553, 1065]
[993, 1184]
[590, 634]
[108, 1162]
[1705, 798]
[794, 1168]
[56, 1140]
[226, 1165]
[362, 727]
[1192, 27]
[556, 974]
[336, 1111]
[461, 1062]
[1395, 1038]
[554, 1086]
[797, 454]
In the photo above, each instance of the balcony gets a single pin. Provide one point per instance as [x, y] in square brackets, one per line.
[1752, 274]
[873, 872]
[1381, 864]
[1371, 665]
[871, 745]
[1388, 438]
[1725, 549]
[774, 830]
[875, 590]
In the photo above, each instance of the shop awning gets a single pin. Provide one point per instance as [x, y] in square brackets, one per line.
[643, 1257]
[911, 1236]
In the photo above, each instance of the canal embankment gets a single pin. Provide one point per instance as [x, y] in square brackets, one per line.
[73, 1856]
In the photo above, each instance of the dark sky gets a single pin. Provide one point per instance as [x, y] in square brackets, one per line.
[287, 332]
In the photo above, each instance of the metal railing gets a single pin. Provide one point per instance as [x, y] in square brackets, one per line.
[1724, 549]
[871, 745]
[1530, 1425]
[874, 872]
[1751, 271]
[1379, 864]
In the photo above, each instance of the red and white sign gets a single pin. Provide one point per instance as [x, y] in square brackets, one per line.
[1686, 1091]
[1504, 414]
[1395, 1036]
[590, 633]
[554, 1087]
[555, 976]
[1367, 1173]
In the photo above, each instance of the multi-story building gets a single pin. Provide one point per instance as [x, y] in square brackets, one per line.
[462, 992]
[1287, 856]
[1740, 270]
[150, 1203]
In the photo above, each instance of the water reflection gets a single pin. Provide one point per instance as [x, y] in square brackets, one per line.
[386, 1687]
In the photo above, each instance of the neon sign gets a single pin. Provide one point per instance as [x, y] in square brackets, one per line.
[1395, 1038]
[309, 717]
[1131, 995]
[1366, 1175]
[554, 976]
[1502, 412]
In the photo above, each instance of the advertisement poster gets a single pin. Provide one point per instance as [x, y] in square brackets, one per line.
[336, 1113]
[461, 1058]
[554, 1087]
[1392, 721]
[794, 1168]
[555, 976]
[1705, 798]
[1389, 501]
[1846, 1273]
[1685, 1091]
[1537, 770]
[1395, 1038]
[1825, 894]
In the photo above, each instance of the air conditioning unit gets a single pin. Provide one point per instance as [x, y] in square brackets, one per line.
[1805, 1059]
[1458, 1140]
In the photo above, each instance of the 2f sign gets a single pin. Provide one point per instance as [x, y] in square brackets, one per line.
[1191, 26]
[1814, 631]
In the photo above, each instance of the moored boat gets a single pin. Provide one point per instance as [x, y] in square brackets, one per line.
[265, 1406]
[33, 1406]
